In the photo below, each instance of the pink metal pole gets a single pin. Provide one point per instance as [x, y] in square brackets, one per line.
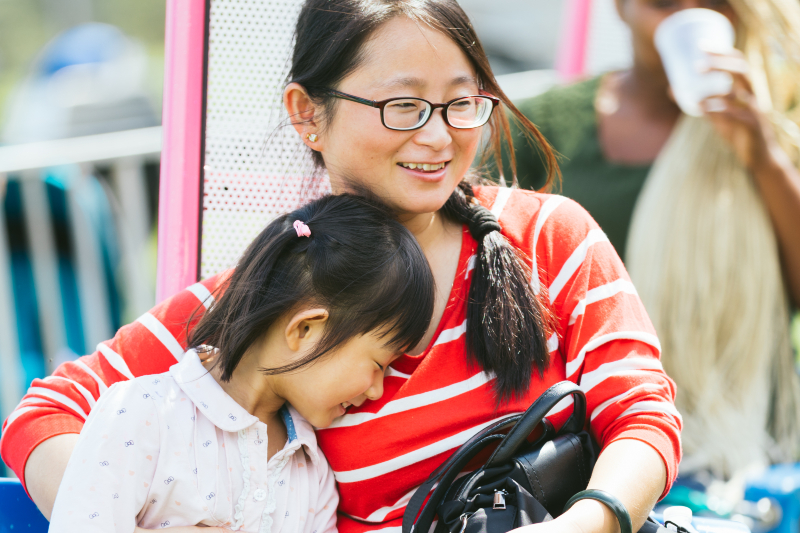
[181, 175]
[571, 60]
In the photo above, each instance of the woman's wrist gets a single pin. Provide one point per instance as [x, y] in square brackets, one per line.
[589, 516]
[774, 165]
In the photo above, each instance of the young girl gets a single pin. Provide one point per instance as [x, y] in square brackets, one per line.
[319, 306]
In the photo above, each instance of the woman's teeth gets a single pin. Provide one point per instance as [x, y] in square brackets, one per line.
[427, 167]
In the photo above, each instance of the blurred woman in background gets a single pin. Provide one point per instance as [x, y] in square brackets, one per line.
[705, 212]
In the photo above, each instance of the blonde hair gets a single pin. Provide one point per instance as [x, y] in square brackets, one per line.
[703, 255]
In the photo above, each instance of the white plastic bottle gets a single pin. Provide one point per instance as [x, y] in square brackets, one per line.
[678, 516]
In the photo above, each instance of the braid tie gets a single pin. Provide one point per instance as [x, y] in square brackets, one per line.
[481, 222]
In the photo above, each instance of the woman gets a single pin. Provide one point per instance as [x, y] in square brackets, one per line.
[705, 212]
[526, 331]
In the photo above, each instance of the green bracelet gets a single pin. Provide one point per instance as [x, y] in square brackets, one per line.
[610, 501]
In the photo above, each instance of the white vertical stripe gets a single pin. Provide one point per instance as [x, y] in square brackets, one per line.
[503, 194]
[84, 392]
[415, 456]
[601, 293]
[470, 265]
[162, 334]
[115, 360]
[11, 386]
[552, 343]
[58, 398]
[42, 250]
[631, 366]
[546, 210]
[202, 294]
[647, 338]
[101, 385]
[451, 334]
[575, 261]
[88, 263]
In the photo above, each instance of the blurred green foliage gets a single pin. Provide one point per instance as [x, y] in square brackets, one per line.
[27, 25]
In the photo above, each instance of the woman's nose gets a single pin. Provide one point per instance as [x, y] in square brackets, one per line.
[435, 134]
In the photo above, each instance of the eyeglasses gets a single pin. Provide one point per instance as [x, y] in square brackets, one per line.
[404, 114]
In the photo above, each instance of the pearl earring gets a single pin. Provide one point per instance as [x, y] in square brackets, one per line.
[312, 137]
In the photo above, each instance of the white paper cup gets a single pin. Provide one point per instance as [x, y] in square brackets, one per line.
[683, 40]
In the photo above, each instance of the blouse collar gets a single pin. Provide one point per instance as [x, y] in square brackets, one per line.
[223, 411]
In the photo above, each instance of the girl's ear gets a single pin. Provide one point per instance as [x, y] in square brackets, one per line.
[302, 113]
[305, 328]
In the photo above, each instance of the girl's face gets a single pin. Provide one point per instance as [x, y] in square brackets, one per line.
[350, 375]
[644, 16]
[402, 58]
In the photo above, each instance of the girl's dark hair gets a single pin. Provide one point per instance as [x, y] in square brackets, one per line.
[359, 263]
[508, 325]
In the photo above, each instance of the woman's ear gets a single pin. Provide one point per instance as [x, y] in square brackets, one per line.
[302, 113]
[305, 329]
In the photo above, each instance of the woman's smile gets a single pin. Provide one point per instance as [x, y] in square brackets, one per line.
[429, 172]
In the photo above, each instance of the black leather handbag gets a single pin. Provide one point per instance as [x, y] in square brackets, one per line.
[522, 482]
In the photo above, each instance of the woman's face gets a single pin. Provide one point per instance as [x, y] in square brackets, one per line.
[402, 58]
[644, 16]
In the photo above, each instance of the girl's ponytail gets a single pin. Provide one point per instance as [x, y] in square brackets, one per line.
[508, 326]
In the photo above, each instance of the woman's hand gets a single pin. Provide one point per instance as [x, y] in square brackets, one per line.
[737, 117]
[630, 470]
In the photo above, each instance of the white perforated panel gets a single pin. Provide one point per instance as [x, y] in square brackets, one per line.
[255, 165]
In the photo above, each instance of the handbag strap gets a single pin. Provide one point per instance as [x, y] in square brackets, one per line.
[534, 416]
[523, 426]
[447, 473]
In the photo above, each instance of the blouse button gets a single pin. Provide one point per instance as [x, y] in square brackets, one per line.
[259, 495]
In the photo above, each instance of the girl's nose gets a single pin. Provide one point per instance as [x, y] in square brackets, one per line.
[375, 391]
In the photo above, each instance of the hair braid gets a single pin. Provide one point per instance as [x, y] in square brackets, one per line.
[508, 326]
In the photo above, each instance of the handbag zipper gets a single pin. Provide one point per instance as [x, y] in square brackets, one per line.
[499, 499]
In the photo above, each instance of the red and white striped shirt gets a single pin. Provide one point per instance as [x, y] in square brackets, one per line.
[433, 402]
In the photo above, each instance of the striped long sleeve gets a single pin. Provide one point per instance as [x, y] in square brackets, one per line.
[61, 403]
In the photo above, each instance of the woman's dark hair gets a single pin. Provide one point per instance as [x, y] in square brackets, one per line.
[509, 326]
[329, 45]
[359, 263]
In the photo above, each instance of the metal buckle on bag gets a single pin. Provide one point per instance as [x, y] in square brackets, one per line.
[499, 499]
[464, 517]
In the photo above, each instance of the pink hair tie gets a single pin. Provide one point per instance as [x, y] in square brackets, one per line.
[301, 229]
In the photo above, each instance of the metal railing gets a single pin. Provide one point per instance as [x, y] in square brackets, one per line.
[125, 153]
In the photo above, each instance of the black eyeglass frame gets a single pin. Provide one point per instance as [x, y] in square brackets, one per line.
[383, 103]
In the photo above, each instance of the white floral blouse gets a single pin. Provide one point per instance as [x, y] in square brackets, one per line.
[175, 450]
